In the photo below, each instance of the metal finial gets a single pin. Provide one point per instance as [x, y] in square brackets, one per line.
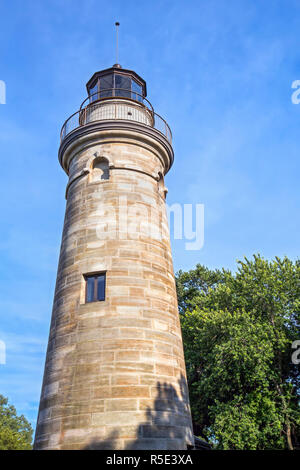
[117, 41]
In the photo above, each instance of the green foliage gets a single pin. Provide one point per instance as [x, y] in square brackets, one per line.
[238, 330]
[15, 431]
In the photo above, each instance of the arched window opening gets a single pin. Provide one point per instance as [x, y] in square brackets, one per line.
[161, 186]
[100, 169]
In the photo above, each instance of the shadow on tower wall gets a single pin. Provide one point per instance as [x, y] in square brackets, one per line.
[167, 425]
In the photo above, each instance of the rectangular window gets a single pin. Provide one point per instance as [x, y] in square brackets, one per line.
[95, 287]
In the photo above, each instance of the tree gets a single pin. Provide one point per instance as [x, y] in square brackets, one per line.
[15, 431]
[238, 331]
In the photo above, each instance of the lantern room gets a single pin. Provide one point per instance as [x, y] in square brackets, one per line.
[116, 82]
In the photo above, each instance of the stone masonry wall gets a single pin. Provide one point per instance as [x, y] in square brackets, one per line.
[115, 372]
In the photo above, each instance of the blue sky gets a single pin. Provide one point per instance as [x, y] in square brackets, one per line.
[219, 71]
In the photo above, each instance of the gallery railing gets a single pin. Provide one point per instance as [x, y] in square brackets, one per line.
[116, 104]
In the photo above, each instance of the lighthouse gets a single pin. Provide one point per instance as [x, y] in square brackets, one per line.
[115, 373]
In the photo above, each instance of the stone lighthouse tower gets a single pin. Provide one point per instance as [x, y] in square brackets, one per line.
[115, 373]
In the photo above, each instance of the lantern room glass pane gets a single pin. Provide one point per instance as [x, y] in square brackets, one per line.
[93, 92]
[136, 88]
[106, 85]
[122, 83]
